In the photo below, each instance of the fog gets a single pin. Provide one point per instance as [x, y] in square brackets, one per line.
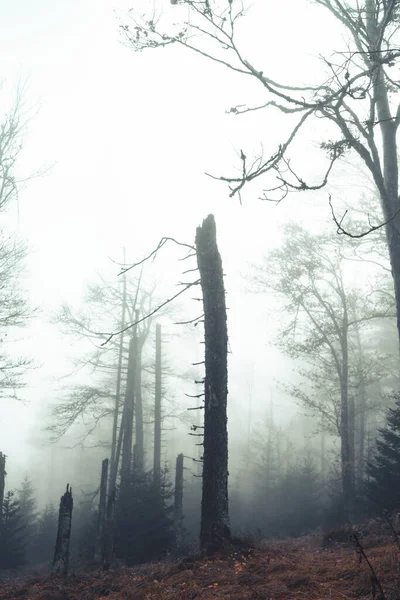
[116, 156]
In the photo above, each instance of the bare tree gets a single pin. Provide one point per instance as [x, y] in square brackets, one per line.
[14, 308]
[323, 310]
[96, 386]
[356, 94]
[215, 526]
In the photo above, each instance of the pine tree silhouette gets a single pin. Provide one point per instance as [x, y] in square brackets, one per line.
[383, 471]
[29, 516]
[12, 534]
[46, 534]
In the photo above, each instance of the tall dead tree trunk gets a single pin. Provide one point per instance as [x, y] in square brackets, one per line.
[61, 552]
[114, 458]
[139, 436]
[2, 480]
[178, 503]
[215, 527]
[157, 411]
[126, 461]
[101, 519]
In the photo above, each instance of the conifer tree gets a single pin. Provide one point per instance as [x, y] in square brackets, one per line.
[12, 538]
[46, 534]
[383, 471]
[28, 514]
[144, 529]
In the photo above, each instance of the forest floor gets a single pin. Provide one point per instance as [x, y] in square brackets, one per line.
[301, 569]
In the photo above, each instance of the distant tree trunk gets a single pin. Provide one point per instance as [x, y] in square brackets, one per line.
[157, 411]
[2, 480]
[278, 454]
[361, 406]
[268, 459]
[178, 504]
[101, 520]
[215, 527]
[114, 457]
[352, 437]
[61, 552]
[109, 531]
[139, 437]
[346, 435]
[322, 449]
[126, 461]
[362, 429]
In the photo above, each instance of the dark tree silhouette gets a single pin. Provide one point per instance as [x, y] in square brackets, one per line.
[12, 534]
[215, 528]
[383, 471]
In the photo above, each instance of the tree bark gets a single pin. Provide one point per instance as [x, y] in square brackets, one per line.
[178, 504]
[157, 411]
[101, 520]
[386, 175]
[215, 526]
[61, 552]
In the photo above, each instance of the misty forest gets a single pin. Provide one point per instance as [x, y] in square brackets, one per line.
[200, 299]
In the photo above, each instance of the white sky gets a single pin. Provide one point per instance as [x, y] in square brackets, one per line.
[130, 136]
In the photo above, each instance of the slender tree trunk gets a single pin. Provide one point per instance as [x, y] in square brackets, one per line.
[114, 459]
[268, 462]
[362, 430]
[215, 527]
[126, 462]
[2, 480]
[346, 435]
[109, 530]
[101, 520]
[61, 552]
[139, 436]
[178, 504]
[278, 454]
[114, 472]
[361, 406]
[157, 411]
[352, 436]
[322, 449]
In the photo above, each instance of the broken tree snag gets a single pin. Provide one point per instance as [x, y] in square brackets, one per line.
[178, 503]
[215, 528]
[157, 411]
[61, 552]
[2, 480]
[101, 520]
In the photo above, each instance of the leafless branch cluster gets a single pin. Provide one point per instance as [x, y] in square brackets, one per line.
[347, 96]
